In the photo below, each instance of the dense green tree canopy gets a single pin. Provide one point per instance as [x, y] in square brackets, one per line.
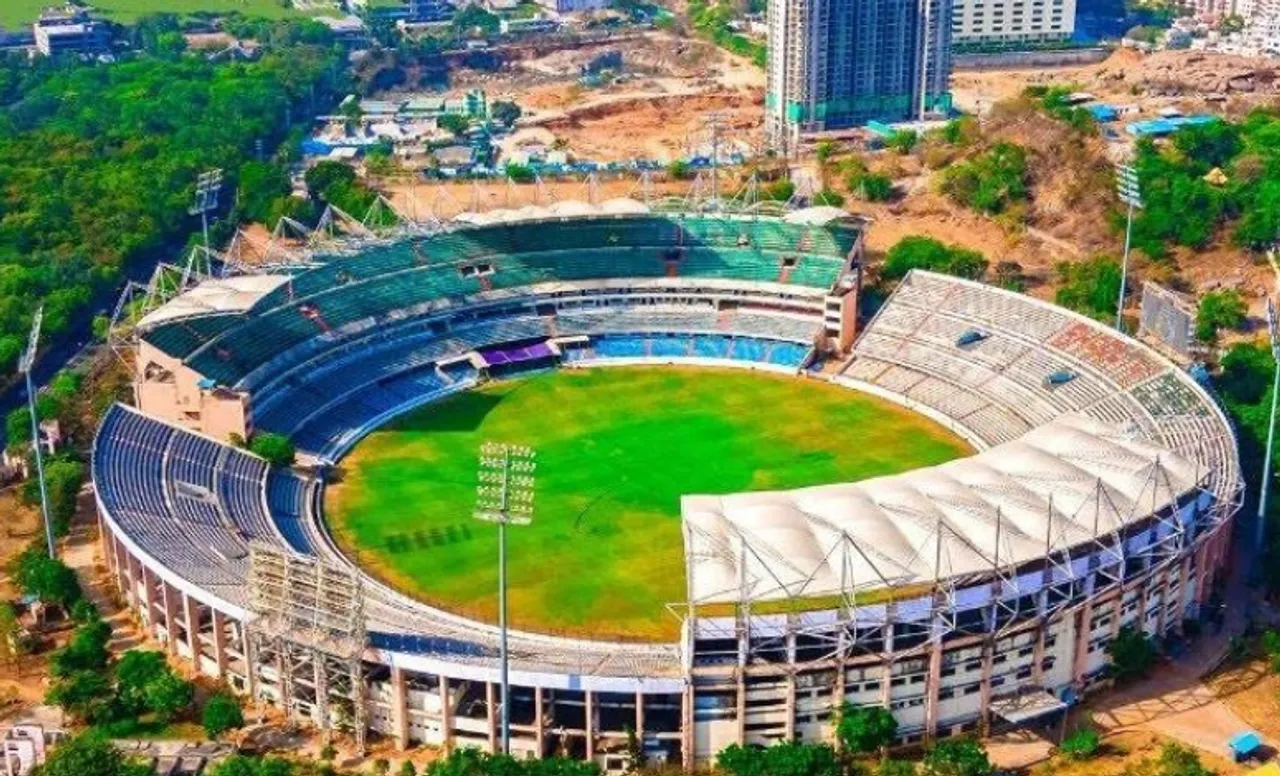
[916, 252]
[222, 713]
[98, 163]
[90, 754]
[866, 728]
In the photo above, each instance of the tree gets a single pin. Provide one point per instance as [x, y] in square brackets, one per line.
[48, 579]
[916, 252]
[680, 170]
[520, 173]
[168, 696]
[328, 752]
[10, 633]
[505, 112]
[277, 449]
[1081, 744]
[222, 713]
[90, 754]
[864, 729]
[326, 175]
[1132, 653]
[84, 695]
[990, 182]
[475, 21]
[829, 198]
[1218, 310]
[891, 767]
[454, 123]
[957, 757]
[134, 673]
[407, 768]
[63, 478]
[381, 766]
[86, 651]
[870, 187]
[1179, 760]
[779, 191]
[1091, 287]
[785, 758]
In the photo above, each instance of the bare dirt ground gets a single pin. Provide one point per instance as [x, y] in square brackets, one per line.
[656, 110]
[1252, 690]
[1190, 81]
[445, 200]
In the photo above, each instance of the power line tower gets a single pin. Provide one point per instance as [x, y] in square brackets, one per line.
[505, 496]
[26, 365]
[208, 187]
[308, 638]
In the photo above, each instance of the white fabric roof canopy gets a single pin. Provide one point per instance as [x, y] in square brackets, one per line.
[937, 522]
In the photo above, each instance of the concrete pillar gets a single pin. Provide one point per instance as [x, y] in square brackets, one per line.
[1161, 616]
[220, 643]
[932, 681]
[191, 613]
[250, 663]
[686, 728]
[589, 722]
[790, 728]
[984, 689]
[169, 598]
[639, 716]
[491, 708]
[1084, 618]
[446, 714]
[1037, 668]
[399, 709]
[740, 709]
[539, 720]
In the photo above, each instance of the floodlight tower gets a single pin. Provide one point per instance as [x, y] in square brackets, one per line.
[1273, 329]
[208, 186]
[505, 496]
[26, 365]
[1130, 192]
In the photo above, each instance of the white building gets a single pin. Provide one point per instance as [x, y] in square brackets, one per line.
[1011, 23]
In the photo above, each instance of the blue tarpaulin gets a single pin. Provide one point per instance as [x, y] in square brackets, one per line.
[1244, 744]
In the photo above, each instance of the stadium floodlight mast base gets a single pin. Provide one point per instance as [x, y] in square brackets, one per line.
[505, 496]
[26, 366]
[1130, 193]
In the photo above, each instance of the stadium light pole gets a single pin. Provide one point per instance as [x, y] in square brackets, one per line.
[505, 496]
[1274, 331]
[1130, 192]
[208, 186]
[27, 365]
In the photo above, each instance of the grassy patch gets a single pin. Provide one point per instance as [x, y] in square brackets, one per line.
[617, 448]
[20, 13]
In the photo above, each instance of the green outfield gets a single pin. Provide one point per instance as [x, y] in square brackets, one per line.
[617, 447]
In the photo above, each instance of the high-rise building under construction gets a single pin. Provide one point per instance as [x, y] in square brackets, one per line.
[836, 64]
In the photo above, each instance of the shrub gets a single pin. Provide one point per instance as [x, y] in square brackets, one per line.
[917, 252]
[957, 757]
[277, 449]
[1132, 653]
[902, 140]
[1080, 745]
[222, 713]
[990, 182]
[1091, 287]
[1219, 310]
[865, 729]
[870, 187]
